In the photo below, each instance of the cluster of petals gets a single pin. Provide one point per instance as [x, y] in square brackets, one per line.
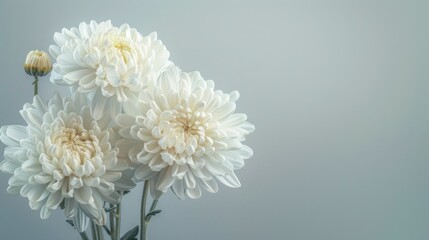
[184, 135]
[64, 157]
[111, 64]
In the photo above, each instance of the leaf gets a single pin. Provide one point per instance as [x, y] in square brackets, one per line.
[63, 204]
[110, 209]
[131, 235]
[152, 213]
[70, 222]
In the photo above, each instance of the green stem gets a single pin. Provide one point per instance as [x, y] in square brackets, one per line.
[117, 230]
[143, 223]
[36, 86]
[107, 230]
[112, 222]
[94, 231]
[152, 207]
[100, 232]
[84, 236]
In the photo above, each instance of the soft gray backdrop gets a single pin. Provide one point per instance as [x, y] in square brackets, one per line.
[338, 91]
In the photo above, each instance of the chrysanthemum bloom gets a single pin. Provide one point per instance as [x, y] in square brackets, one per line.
[63, 156]
[112, 64]
[37, 63]
[184, 135]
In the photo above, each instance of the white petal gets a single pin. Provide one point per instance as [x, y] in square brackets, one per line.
[98, 106]
[8, 166]
[165, 179]
[37, 193]
[91, 211]
[189, 180]
[106, 188]
[45, 212]
[144, 172]
[210, 185]
[125, 120]
[224, 110]
[234, 120]
[36, 205]
[179, 189]
[81, 221]
[70, 209]
[16, 132]
[84, 195]
[155, 193]
[194, 193]
[78, 74]
[113, 198]
[229, 180]
[54, 200]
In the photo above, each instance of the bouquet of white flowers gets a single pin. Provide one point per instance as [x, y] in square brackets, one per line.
[132, 116]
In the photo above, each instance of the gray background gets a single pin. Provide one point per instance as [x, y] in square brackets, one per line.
[338, 91]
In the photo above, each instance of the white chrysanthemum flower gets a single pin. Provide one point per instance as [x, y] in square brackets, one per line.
[184, 135]
[64, 156]
[113, 64]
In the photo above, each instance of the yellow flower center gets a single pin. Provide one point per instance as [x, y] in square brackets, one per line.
[182, 131]
[188, 124]
[124, 49]
[75, 141]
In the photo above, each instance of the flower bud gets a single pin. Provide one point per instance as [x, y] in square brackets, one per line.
[37, 63]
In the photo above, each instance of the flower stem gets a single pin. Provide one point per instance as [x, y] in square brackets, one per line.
[107, 230]
[145, 217]
[36, 86]
[100, 232]
[84, 236]
[143, 223]
[152, 207]
[112, 222]
[117, 230]
[94, 231]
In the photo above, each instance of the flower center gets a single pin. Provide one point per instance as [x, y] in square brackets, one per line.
[183, 131]
[123, 46]
[189, 125]
[124, 49]
[76, 142]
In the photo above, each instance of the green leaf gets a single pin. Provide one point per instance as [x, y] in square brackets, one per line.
[131, 235]
[152, 213]
[70, 222]
[62, 204]
[110, 209]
